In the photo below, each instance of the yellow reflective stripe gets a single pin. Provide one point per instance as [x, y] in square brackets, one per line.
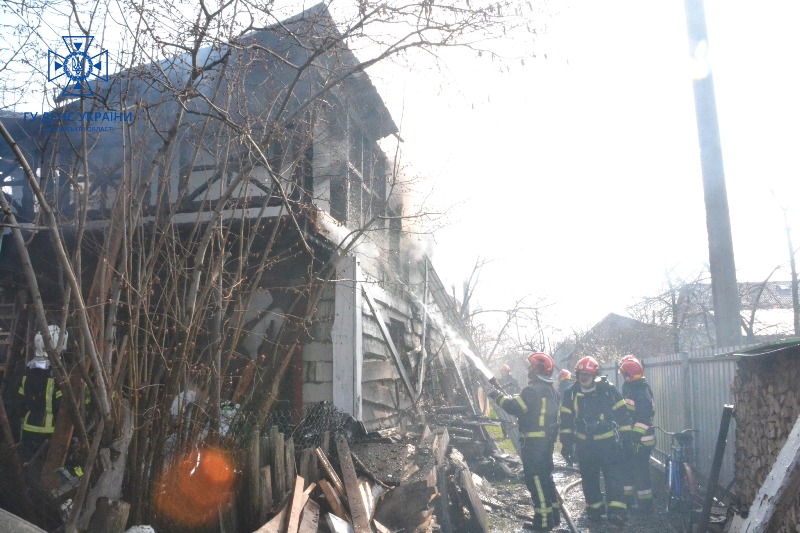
[565, 410]
[631, 404]
[502, 400]
[597, 505]
[22, 386]
[37, 429]
[543, 511]
[542, 412]
[618, 505]
[580, 435]
[48, 404]
[625, 428]
[606, 435]
[48, 426]
[566, 431]
[619, 405]
[648, 440]
[521, 404]
[534, 434]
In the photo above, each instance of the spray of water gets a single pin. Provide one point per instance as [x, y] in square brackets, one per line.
[453, 337]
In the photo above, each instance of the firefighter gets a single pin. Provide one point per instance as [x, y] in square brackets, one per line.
[536, 408]
[639, 399]
[507, 381]
[39, 397]
[594, 421]
[565, 381]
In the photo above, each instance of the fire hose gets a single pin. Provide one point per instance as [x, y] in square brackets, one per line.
[563, 505]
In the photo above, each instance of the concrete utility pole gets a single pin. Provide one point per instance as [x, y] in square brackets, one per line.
[724, 288]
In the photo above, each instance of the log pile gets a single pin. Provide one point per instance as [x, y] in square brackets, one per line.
[767, 405]
[418, 485]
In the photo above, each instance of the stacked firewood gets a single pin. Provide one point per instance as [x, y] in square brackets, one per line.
[767, 406]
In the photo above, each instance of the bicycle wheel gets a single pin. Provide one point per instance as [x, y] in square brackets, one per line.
[692, 503]
[672, 486]
[686, 503]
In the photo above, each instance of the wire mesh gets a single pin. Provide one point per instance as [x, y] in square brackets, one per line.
[317, 419]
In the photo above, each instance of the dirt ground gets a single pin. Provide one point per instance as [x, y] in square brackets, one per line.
[510, 504]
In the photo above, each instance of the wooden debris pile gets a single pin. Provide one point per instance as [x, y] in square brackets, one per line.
[373, 485]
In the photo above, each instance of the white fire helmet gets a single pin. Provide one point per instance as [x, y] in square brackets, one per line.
[40, 359]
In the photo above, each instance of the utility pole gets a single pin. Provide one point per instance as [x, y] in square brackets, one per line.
[724, 288]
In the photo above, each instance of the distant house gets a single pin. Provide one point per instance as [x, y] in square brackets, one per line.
[613, 337]
[766, 310]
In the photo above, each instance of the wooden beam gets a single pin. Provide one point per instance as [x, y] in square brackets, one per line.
[337, 525]
[309, 522]
[297, 505]
[392, 349]
[777, 491]
[330, 473]
[346, 333]
[356, 504]
[476, 506]
[334, 500]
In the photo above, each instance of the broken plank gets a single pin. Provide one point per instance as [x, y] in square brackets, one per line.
[357, 508]
[337, 525]
[288, 446]
[309, 522]
[304, 468]
[330, 473]
[266, 493]
[277, 457]
[440, 447]
[443, 501]
[380, 528]
[476, 506]
[275, 525]
[334, 500]
[297, 505]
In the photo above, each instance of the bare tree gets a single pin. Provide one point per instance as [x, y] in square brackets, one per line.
[208, 196]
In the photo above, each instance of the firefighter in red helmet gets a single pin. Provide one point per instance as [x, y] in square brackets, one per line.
[565, 381]
[639, 399]
[594, 422]
[508, 382]
[536, 408]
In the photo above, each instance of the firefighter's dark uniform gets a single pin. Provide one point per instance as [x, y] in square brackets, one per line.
[40, 400]
[595, 422]
[536, 407]
[564, 385]
[639, 399]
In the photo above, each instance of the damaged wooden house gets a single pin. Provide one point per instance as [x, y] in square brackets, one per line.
[224, 241]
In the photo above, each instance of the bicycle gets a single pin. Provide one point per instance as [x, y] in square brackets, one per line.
[683, 493]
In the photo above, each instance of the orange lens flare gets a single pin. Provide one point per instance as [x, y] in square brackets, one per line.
[192, 491]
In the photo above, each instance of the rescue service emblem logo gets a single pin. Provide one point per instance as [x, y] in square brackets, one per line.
[77, 65]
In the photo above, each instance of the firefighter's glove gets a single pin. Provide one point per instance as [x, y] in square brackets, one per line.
[495, 394]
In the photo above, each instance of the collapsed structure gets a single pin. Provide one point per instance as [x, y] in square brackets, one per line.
[229, 254]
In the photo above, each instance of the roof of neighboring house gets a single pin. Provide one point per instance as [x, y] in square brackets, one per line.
[616, 335]
[765, 294]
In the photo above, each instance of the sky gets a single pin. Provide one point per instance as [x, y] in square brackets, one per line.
[577, 176]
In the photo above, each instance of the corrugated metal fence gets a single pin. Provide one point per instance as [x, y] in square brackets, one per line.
[690, 390]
